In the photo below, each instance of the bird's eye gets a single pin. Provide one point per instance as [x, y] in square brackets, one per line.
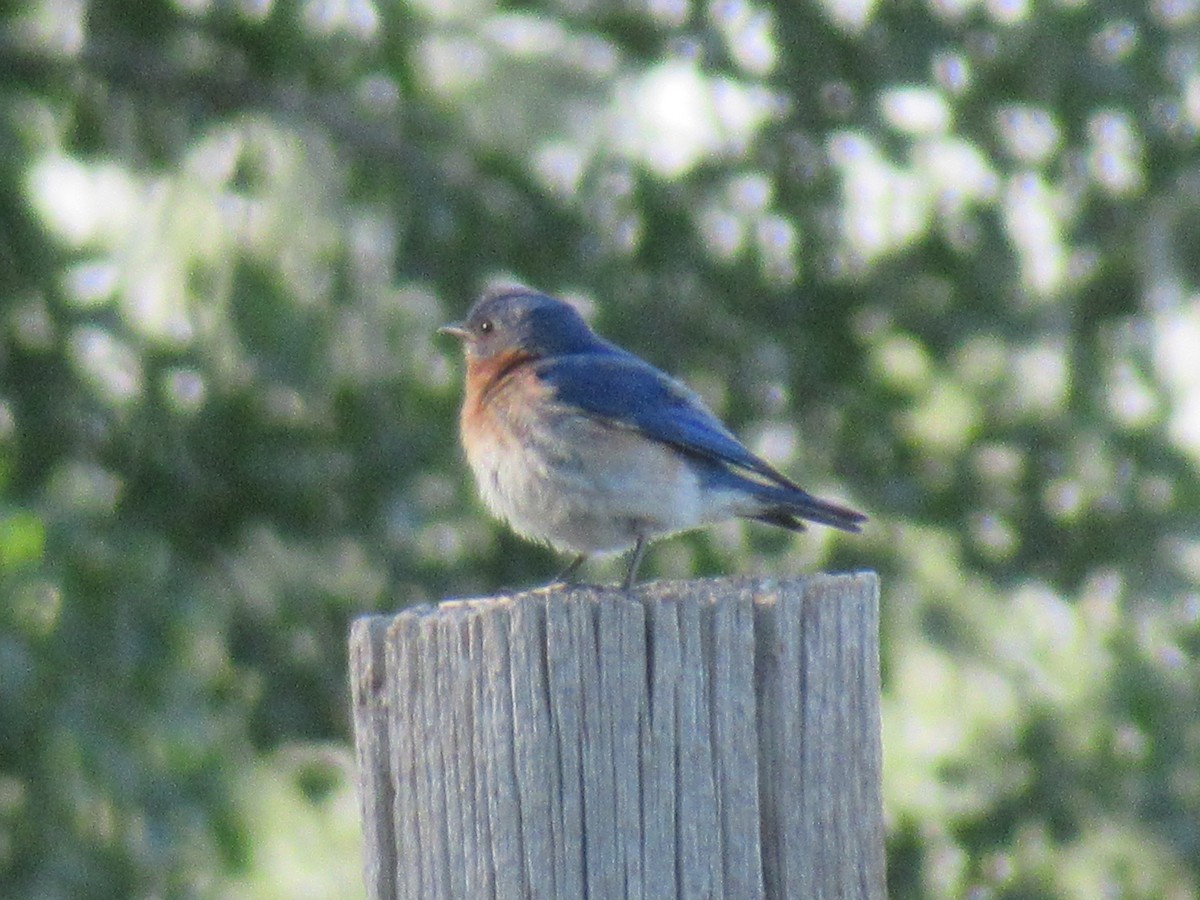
[486, 326]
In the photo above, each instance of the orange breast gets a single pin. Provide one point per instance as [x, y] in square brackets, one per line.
[496, 408]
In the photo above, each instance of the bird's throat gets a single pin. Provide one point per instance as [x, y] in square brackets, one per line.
[487, 376]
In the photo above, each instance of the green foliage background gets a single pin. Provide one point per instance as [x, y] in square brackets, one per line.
[938, 259]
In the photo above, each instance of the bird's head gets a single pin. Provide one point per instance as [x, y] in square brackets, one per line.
[521, 320]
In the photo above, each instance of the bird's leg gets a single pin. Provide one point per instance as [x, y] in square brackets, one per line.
[635, 560]
[564, 577]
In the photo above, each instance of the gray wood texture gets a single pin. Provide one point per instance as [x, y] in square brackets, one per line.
[699, 739]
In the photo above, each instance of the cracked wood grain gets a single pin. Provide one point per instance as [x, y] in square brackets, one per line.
[700, 739]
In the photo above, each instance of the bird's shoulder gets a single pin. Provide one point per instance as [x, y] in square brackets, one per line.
[610, 381]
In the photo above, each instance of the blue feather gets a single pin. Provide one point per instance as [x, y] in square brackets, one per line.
[618, 387]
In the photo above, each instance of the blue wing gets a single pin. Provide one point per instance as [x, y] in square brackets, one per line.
[620, 388]
[616, 387]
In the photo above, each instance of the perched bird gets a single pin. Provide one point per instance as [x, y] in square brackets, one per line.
[590, 449]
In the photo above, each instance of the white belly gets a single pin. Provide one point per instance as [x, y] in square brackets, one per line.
[597, 489]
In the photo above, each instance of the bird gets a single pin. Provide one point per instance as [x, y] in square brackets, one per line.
[584, 446]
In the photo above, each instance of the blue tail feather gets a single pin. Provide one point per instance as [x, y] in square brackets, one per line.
[789, 506]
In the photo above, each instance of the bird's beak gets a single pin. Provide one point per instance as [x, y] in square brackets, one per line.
[455, 329]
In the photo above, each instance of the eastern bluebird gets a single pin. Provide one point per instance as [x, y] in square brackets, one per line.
[582, 445]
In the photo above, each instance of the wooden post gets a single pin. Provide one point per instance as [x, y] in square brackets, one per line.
[689, 739]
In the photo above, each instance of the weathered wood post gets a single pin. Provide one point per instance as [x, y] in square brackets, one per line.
[714, 739]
